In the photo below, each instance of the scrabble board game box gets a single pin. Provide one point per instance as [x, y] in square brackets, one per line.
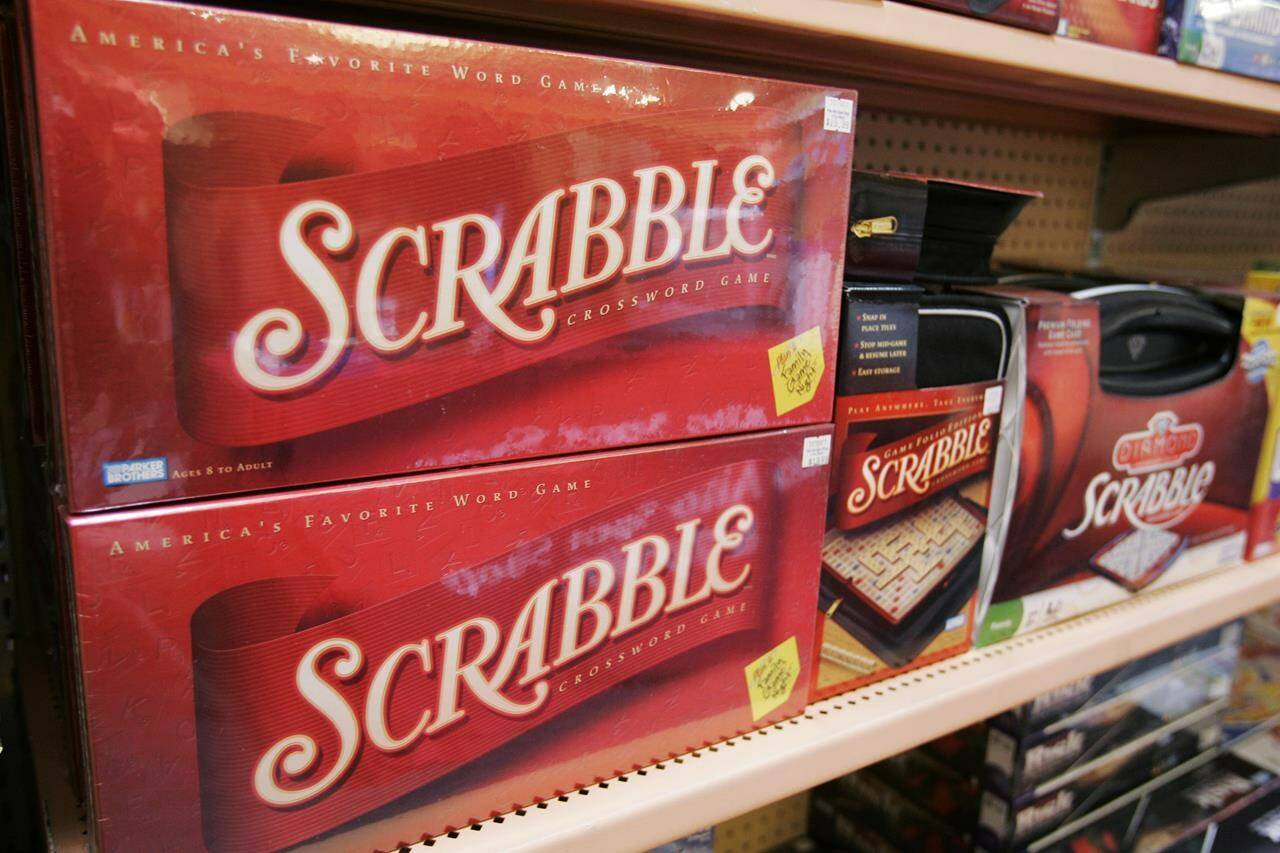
[1141, 419]
[336, 666]
[914, 447]
[267, 238]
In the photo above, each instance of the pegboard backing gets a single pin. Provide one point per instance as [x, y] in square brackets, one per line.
[764, 828]
[1213, 234]
[1054, 231]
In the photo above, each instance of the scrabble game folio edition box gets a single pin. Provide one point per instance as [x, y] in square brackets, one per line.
[337, 666]
[1146, 422]
[266, 238]
[916, 438]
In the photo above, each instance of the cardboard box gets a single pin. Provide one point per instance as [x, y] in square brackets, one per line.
[337, 665]
[1242, 36]
[1039, 15]
[1127, 24]
[268, 238]
[1186, 814]
[915, 442]
[1017, 764]
[901, 819]
[1014, 824]
[1254, 828]
[1140, 425]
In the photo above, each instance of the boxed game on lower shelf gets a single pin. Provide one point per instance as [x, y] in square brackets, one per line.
[1017, 764]
[1006, 824]
[1087, 694]
[338, 664]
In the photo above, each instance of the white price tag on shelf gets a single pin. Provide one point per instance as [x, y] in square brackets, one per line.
[817, 451]
[992, 399]
[837, 115]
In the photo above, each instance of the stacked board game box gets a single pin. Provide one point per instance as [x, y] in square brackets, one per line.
[1018, 763]
[1242, 37]
[273, 238]
[1127, 24]
[916, 440]
[1008, 784]
[337, 664]
[298, 280]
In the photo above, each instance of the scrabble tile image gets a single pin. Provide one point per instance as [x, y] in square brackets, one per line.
[1136, 558]
[896, 586]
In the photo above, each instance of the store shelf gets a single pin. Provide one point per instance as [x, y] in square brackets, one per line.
[903, 46]
[671, 799]
[674, 798]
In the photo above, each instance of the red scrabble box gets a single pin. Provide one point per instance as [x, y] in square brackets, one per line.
[337, 665]
[268, 238]
[1144, 410]
[917, 429]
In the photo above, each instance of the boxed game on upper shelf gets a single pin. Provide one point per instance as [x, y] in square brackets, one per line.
[1241, 36]
[269, 237]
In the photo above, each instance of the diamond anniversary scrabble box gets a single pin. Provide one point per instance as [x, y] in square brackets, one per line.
[921, 378]
[269, 238]
[337, 666]
[1141, 420]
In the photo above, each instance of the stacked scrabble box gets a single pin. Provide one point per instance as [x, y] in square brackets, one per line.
[282, 254]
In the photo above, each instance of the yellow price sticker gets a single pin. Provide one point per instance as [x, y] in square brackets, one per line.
[796, 366]
[772, 677]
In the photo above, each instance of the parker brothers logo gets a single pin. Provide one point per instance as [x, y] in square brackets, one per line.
[1163, 487]
[620, 234]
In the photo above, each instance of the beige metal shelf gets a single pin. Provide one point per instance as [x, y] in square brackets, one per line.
[671, 799]
[902, 46]
[674, 798]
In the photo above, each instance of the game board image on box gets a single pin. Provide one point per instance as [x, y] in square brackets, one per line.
[907, 571]
[916, 428]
